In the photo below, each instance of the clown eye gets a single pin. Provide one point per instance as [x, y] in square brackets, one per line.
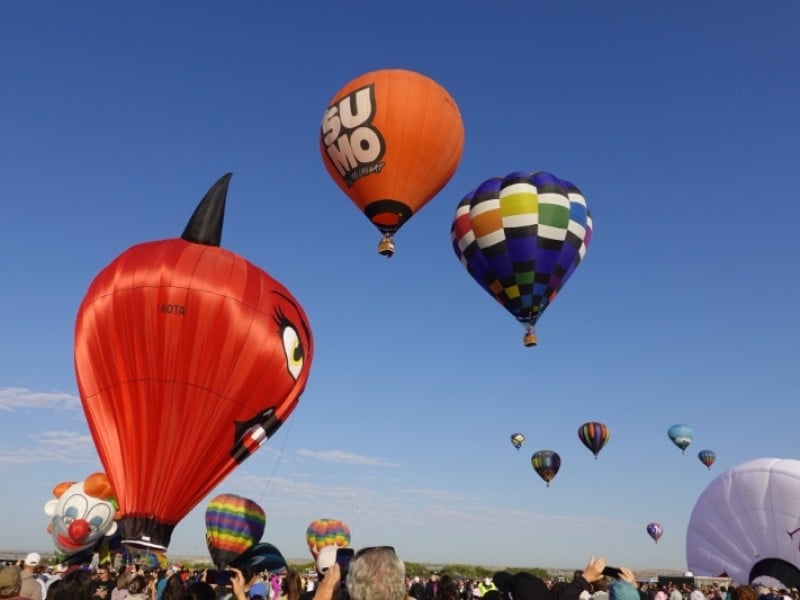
[293, 350]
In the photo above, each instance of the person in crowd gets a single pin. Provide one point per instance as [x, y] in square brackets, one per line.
[76, 584]
[31, 587]
[292, 586]
[743, 592]
[120, 590]
[447, 588]
[10, 583]
[417, 589]
[375, 573]
[173, 589]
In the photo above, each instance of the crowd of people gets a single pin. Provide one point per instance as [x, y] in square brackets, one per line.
[372, 574]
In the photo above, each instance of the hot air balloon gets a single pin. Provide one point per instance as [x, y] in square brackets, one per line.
[391, 140]
[681, 436]
[654, 530]
[517, 439]
[327, 532]
[261, 557]
[521, 237]
[546, 463]
[707, 457]
[751, 506]
[188, 358]
[594, 436]
[83, 514]
[233, 525]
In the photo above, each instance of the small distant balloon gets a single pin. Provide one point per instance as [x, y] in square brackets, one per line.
[594, 436]
[546, 463]
[327, 532]
[707, 457]
[233, 525]
[655, 531]
[517, 439]
[681, 436]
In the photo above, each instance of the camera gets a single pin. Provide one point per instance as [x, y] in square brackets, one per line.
[343, 558]
[221, 577]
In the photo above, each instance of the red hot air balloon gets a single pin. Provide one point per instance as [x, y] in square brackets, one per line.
[188, 358]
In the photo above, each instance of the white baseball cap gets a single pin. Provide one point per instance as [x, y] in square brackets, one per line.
[33, 559]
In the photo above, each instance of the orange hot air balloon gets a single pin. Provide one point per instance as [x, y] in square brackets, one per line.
[391, 139]
[188, 358]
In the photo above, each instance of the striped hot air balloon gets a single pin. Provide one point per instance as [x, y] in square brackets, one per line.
[233, 525]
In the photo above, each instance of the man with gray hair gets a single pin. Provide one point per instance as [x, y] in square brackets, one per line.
[375, 573]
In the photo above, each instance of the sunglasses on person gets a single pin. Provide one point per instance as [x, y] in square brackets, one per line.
[369, 549]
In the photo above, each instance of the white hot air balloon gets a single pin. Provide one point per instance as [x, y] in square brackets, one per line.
[746, 524]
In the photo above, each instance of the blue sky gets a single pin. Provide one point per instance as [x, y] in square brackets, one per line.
[677, 120]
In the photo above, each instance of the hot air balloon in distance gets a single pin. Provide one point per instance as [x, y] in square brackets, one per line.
[681, 436]
[233, 525]
[521, 237]
[517, 439]
[594, 436]
[707, 457]
[654, 530]
[391, 139]
[188, 358]
[327, 532]
[261, 557]
[546, 463]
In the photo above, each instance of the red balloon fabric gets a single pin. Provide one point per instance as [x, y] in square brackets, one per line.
[188, 358]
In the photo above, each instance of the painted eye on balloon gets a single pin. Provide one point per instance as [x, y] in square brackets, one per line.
[293, 348]
[98, 516]
[74, 508]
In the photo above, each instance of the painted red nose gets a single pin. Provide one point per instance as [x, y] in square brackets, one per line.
[79, 529]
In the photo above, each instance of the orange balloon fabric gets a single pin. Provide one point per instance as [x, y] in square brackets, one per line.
[188, 358]
[391, 140]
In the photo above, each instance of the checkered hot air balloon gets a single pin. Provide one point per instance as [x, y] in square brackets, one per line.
[521, 237]
[233, 525]
[546, 463]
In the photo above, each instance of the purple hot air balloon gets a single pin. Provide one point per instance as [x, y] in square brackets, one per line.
[655, 531]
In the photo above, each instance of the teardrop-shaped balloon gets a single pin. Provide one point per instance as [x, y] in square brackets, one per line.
[594, 436]
[707, 457]
[391, 139]
[517, 439]
[327, 532]
[546, 463]
[521, 237]
[681, 436]
[655, 531]
[188, 358]
[233, 525]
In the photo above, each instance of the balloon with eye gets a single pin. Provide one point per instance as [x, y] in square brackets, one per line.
[327, 532]
[655, 531]
[233, 525]
[391, 139]
[188, 358]
[707, 457]
[521, 237]
[82, 515]
[517, 439]
[546, 463]
[681, 436]
[594, 436]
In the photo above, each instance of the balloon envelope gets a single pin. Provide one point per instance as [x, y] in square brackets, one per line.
[546, 463]
[521, 237]
[707, 457]
[188, 358]
[681, 436]
[261, 557]
[391, 139]
[594, 436]
[752, 506]
[655, 531]
[233, 525]
[517, 439]
[327, 532]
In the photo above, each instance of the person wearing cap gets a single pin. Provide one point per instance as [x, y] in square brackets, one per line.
[30, 585]
[10, 583]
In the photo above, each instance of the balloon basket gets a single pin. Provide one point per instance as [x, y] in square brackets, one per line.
[386, 246]
[529, 339]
